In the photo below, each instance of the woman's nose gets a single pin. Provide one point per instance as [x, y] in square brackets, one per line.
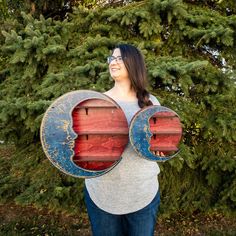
[114, 61]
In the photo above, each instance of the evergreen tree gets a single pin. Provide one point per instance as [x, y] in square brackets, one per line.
[189, 48]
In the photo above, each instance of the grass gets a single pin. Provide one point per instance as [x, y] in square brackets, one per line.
[25, 221]
[16, 220]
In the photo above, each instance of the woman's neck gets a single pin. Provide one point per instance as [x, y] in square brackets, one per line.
[122, 91]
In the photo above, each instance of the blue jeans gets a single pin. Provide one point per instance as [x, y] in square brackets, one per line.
[139, 223]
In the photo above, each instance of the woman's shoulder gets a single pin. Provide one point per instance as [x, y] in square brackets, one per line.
[154, 100]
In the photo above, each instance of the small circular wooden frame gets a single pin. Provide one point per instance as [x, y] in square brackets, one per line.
[155, 133]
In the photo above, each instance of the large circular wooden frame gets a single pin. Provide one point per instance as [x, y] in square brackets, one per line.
[76, 126]
[156, 130]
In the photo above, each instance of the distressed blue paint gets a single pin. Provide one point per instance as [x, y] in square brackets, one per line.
[140, 134]
[58, 137]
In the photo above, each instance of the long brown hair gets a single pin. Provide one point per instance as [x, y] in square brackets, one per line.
[135, 65]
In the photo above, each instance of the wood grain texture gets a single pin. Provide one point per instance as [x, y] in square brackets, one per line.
[61, 143]
[154, 131]
[102, 132]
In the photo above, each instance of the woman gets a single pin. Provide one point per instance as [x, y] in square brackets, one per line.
[125, 200]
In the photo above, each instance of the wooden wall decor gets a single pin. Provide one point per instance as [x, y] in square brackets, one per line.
[83, 133]
[102, 131]
[155, 130]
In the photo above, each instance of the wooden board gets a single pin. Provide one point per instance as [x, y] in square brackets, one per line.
[83, 133]
[102, 131]
[156, 130]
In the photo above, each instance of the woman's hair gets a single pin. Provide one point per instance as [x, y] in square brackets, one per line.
[135, 65]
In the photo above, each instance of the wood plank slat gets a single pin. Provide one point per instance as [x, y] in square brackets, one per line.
[100, 120]
[94, 106]
[164, 115]
[165, 140]
[101, 132]
[167, 125]
[164, 148]
[165, 132]
[96, 158]
[95, 152]
[91, 103]
[106, 145]
[94, 165]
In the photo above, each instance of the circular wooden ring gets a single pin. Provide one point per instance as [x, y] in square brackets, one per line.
[155, 133]
[58, 135]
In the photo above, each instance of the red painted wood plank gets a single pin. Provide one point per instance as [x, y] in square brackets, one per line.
[167, 139]
[94, 149]
[102, 134]
[167, 131]
[163, 148]
[95, 103]
[164, 114]
[157, 131]
[97, 144]
[168, 125]
[96, 158]
[101, 120]
[94, 166]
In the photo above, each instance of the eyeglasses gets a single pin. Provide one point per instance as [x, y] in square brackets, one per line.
[118, 59]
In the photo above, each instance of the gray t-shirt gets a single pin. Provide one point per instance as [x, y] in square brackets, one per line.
[132, 184]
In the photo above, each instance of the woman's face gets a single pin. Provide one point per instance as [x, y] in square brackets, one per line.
[117, 67]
